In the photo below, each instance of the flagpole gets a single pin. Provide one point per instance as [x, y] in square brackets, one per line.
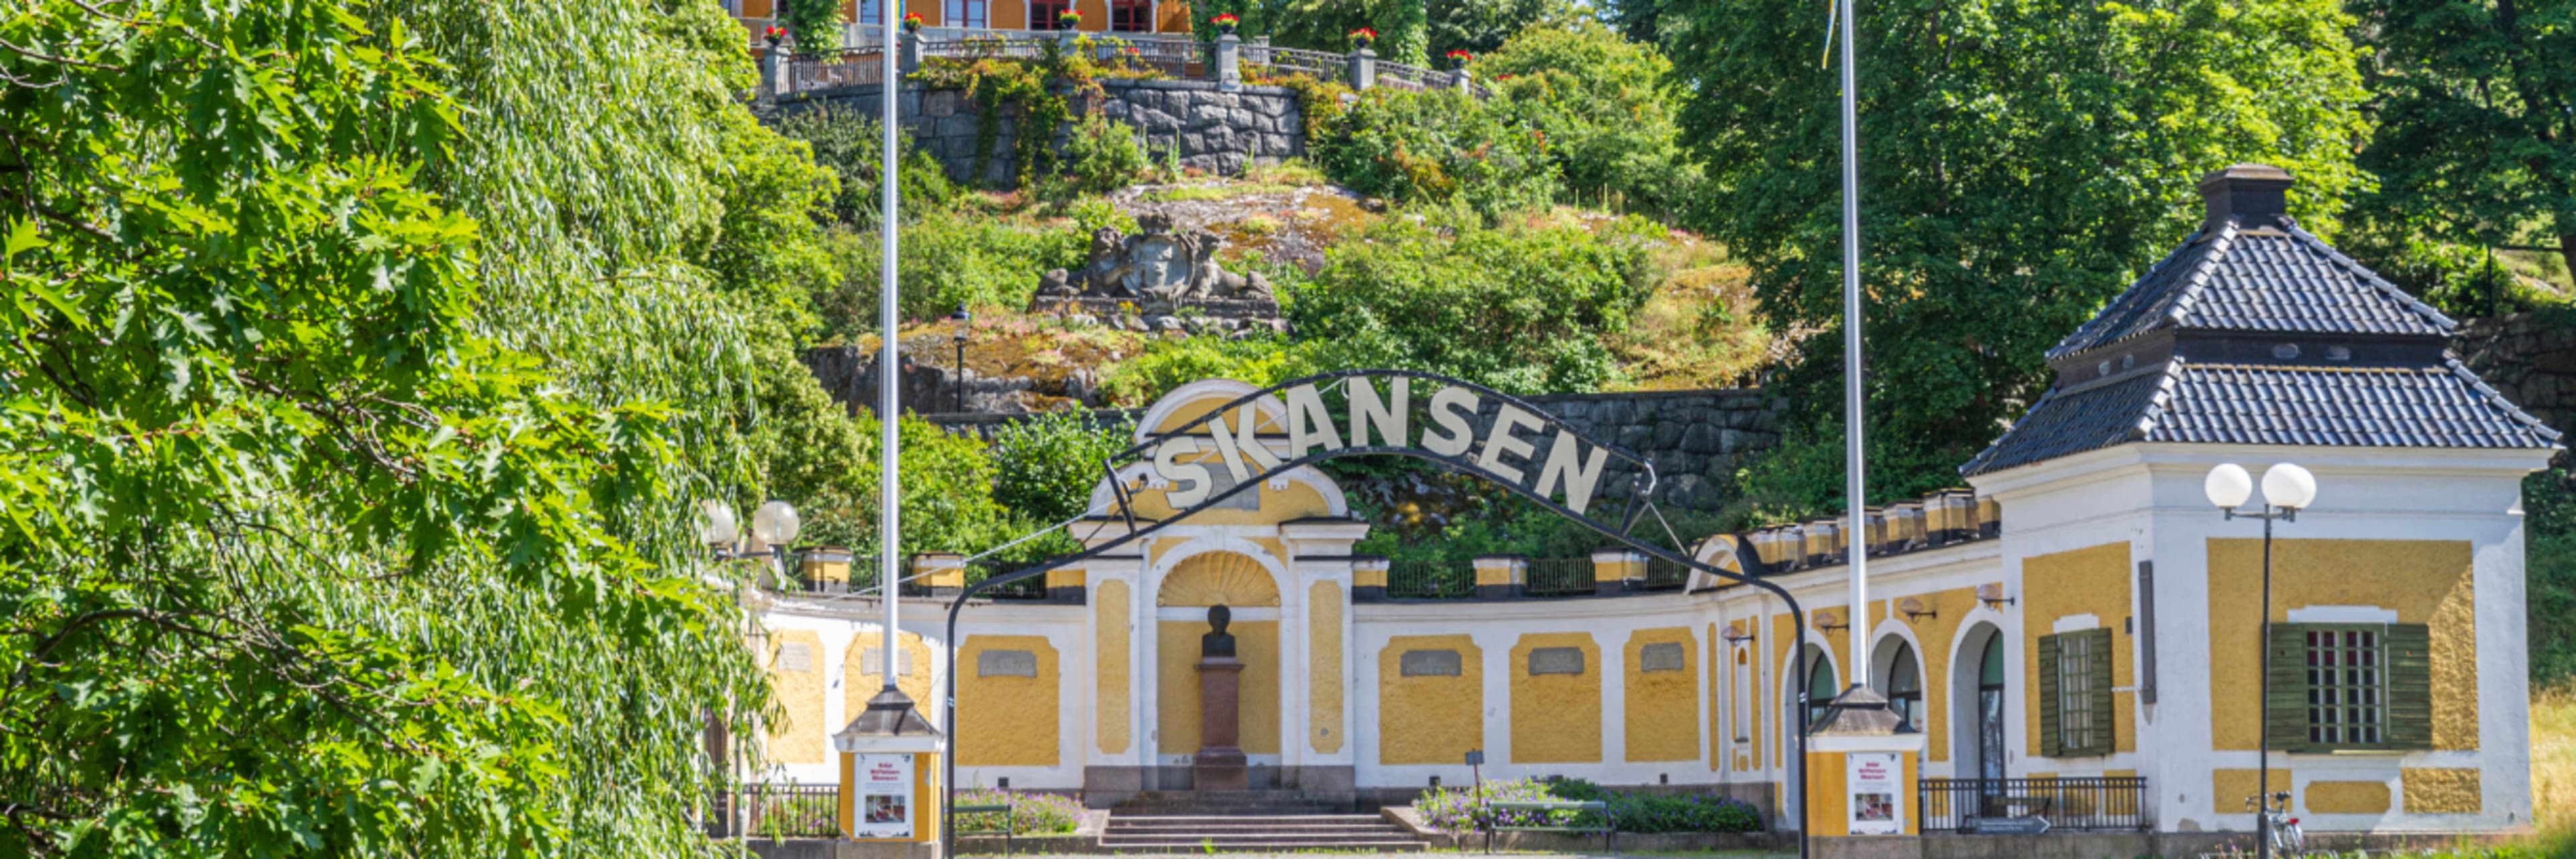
[889, 374]
[1856, 534]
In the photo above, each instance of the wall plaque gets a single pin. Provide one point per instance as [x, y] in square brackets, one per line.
[1556, 660]
[1661, 656]
[795, 656]
[1006, 663]
[873, 659]
[1431, 663]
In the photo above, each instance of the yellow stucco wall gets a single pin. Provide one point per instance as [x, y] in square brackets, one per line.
[1006, 721]
[1110, 654]
[1324, 667]
[1429, 720]
[1177, 690]
[2442, 791]
[2094, 581]
[1556, 718]
[1218, 578]
[860, 680]
[1938, 631]
[2229, 788]
[2423, 581]
[1662, 716]
[796, 735]
[2347, 797]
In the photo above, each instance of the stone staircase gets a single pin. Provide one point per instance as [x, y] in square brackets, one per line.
[1248, 821]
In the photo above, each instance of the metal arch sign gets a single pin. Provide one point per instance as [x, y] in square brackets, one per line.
[1517, 445]
[1446, 426]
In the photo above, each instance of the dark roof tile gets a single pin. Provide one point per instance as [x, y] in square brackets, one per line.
[2267, 279]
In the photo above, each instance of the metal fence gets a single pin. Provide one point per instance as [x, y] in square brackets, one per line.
[1969, 805]
[1330, 68]
[1032, 588]
[1431, 580]
[1663, 575]
[854, 67]
[1414, 78]
[776, 811]
[1558, 577]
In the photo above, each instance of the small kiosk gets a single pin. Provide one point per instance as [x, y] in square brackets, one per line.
[1862, 768]
[889, 786]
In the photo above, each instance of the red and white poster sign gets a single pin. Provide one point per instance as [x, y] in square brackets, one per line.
[884, 797]
[1872, 783]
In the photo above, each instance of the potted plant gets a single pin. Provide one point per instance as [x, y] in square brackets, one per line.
[1459, 58]
[912, 22]
[1361, 37]
[775, 34]
[1226, 23]
[1070, 20]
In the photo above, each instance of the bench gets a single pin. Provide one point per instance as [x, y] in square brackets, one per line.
[1010, 823]
[1609, 828]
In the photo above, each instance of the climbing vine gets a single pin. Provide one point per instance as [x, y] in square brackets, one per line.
[1045, 88]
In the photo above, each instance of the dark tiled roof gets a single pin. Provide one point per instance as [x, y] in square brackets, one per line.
[2270, 279]
[2441, 406]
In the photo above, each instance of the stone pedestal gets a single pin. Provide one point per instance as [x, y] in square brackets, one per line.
[1219, 764]
[1229, 63]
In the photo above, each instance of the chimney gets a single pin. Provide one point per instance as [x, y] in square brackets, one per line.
[2252, 194]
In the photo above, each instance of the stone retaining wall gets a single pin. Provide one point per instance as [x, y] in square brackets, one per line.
[1215, 131]
[2531, 357]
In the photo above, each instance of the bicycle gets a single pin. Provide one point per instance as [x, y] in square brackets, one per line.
[2279, 826]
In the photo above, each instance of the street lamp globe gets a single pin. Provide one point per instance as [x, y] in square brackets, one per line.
[2228, 486]
[716, 526]
[775, 523]
[2289, 486]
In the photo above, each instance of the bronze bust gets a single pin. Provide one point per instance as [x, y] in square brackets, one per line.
[1216, 643]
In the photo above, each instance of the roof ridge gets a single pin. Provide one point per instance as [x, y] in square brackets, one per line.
[2153, 415]
[2372, 279]
[2497, 399]
[2222, 244]
[2100, 319]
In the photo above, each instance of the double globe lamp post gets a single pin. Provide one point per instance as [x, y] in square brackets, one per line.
[2287, 489]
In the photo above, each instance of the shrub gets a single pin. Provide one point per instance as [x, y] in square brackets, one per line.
[1440, 146]
[1101, 156]
[1045, 465]
[1607, 106]
[949, 259]
[1031, 813]
[1170, 363]
[1461, 810]
[848, 143]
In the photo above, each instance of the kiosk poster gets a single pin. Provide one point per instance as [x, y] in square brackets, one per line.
[1873, 777]
[884, 797]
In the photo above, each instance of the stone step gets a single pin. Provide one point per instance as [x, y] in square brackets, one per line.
[1320, 821]
[1227, 832]
[1262, 846]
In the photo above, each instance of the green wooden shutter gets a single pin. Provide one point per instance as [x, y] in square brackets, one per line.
[2408, 649]
[2285, 720]
[2103, 723]
[2047, 692]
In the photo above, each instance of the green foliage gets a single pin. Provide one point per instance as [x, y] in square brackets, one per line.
[2475, 142]
[1652, 813]
[949, 259]
[1044, 88]
[1326, 25]
[2024, 162]
[1101, 156]
[814, 25]
[1030, 814]
[304, 552]
[1438, 146]
[946, 489]
[2549, 523]
[849, 143]
[1172, 362]
[1478, 26]
[1520, 309]
[1045, 465]
[1607, 107]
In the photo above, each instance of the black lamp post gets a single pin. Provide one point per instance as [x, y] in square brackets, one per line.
[2286, 488]
[960, 317]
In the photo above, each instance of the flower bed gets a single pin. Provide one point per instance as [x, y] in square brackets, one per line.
[1031, 813]
[1463, 810]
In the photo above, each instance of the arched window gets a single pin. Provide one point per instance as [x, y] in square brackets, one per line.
[1905, 688]
[1820, 686]
[1990, 709]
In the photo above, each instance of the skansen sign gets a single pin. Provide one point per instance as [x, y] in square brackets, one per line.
[1466, 427]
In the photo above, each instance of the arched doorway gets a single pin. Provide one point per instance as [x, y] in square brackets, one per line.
[1796, 715]
[1978, 678]
[1248, 589]
[1899, 675]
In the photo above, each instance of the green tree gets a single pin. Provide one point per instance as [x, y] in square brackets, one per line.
[1044, 466]
[2476, 104]
[301, 554]
[1608, 109]
[2021, 164]
[1479, 26]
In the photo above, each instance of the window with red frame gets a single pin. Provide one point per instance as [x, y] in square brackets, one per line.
[968, 13]
[1043, 13]
[1131, 16]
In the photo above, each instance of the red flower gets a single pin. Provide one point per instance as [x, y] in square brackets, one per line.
[912, 20]
[774, 34]
[1364, 33]
[1225, 20]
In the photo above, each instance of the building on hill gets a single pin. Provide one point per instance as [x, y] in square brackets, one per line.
[2075, 637]
[948, 19]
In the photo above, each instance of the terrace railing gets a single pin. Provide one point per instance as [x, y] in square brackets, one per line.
[1176, 55]
[1558, 577]
[1415, 78]
[1430, 580]
[2095, 804]
[1322, 66]
[1663, 575]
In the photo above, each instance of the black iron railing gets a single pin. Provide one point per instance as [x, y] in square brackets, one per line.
[1430, 579]
[1971, 805]
[1031, 588]
[1558, 577]
[776, 811]
[1663, 575]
